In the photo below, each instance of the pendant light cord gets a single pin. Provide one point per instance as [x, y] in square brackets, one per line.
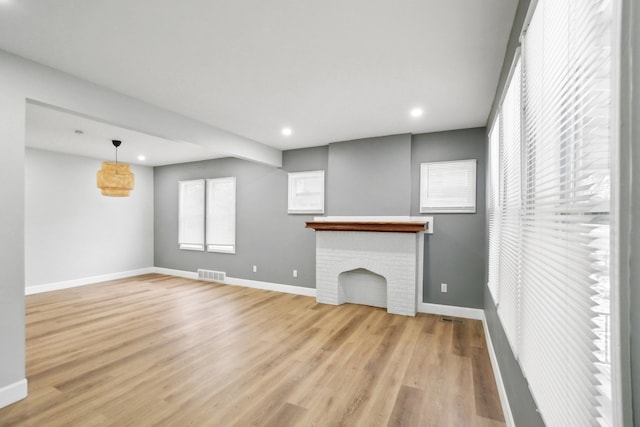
[116, 144]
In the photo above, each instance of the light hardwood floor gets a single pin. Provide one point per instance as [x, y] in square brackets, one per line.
[167, 351]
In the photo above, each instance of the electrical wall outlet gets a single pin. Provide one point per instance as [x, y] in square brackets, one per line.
[443, 287]
[295, 273]
[255, 268]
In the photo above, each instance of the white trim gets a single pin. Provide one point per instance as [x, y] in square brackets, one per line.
[268, 286]
[527, 19]
[620, 398]
[517, 55]
[47, 287]
[13, 392]
[234, 281]
[191, 247]
[502, 391]
[375, 218]
[451, 310]
[435, 192]
[217, 225]
[222, 249]
[191, 214]
[179, 273]
[293, 206]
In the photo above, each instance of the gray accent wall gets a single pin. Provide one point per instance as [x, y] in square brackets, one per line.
[375, 176]
[266, 236]
[523, 407]
[370, 176]
[455, 253]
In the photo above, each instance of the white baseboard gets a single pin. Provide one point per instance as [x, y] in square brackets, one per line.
[268, 286]
[178, 273]
[451, 310]
[13, 392]
[446, 310]
[502, 391]
[256, 284]
[30, 290]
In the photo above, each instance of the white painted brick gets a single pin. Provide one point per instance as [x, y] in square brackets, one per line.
[395, 256]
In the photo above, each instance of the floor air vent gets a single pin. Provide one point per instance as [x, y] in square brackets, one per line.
[450, 320]
[212, 276]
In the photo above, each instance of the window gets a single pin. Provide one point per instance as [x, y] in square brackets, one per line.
[207, 205]
[565, 237]
[448, 187]
[493, 208]
[550, 245]
[191, 215]
[221, 215]
[510, 192]
[306, 192]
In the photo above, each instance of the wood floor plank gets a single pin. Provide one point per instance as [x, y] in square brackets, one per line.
[404, 413]
[416, 374]
[461, 338]
[487, 401]
[287, 415]
[163, 351]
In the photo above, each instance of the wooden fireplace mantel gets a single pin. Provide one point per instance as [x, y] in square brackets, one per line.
[380, 226]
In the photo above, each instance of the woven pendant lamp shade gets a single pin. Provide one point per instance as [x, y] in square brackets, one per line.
[115, 179]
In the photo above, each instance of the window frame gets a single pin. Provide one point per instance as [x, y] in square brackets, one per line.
[185, 200]
[219, 247]
[426, 187]
[294, 206]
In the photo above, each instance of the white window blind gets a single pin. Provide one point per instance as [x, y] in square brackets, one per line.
[221, 215]
[448, 187]
[564, 347]
[191, 215]
[493, 210]
[306, 192]
[510, 203]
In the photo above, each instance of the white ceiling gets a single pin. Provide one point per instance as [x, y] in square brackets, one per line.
[54, 130]
[332, 70]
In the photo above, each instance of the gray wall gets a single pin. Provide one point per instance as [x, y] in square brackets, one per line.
[455, 253]
[523, 407]
[375, 176]
[521, 401]
[72, 231]
[630, 206]
[266, 236]
[370, 176]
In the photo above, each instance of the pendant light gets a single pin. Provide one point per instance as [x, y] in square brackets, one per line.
[115, 179]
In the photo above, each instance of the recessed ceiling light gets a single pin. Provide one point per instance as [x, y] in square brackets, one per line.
[287, 131]
[416, 112]
[142, 158]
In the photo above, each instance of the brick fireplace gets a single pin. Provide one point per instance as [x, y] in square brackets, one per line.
[375, 261]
